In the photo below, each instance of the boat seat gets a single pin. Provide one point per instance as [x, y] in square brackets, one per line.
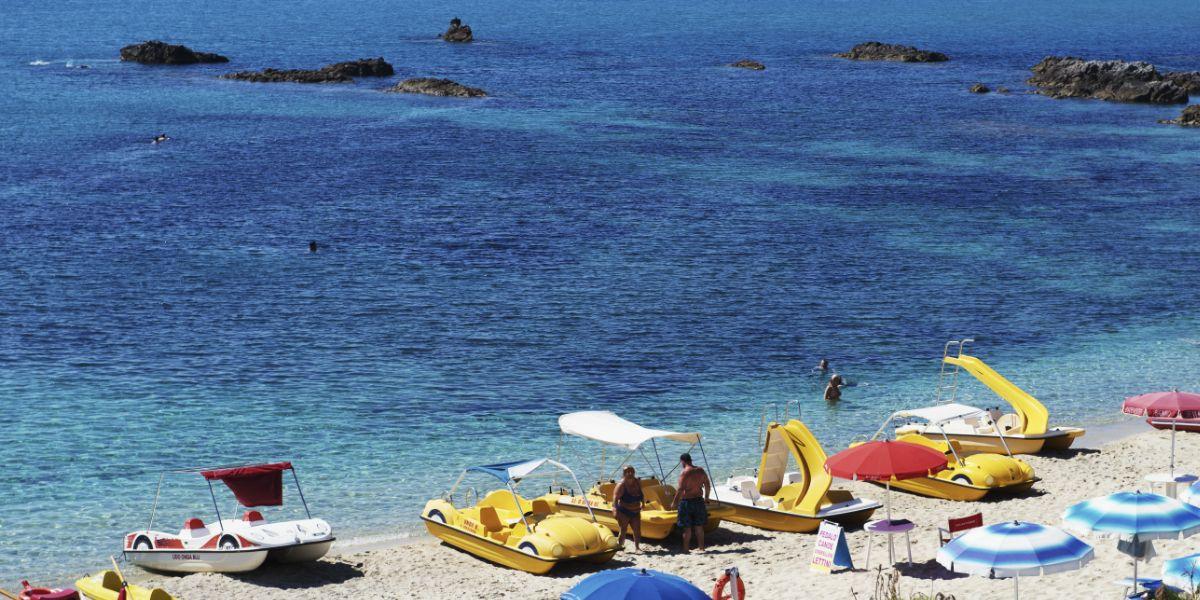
[750, 492]
[194, 528]
[254, 517]
[111, 581]
[793, 477]
[489, 519]
[1009, 422]
[540, 507]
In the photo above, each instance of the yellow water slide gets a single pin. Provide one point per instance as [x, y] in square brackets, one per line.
[810, 462]
[1035, 419]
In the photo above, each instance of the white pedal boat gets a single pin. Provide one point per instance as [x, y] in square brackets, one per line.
[233, 545]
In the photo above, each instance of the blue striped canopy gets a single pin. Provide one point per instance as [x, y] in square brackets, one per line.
[1182, 573]
[634, 584]
[1014, 549]
[1133, 514]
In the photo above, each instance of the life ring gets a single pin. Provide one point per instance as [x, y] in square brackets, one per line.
[719, 592]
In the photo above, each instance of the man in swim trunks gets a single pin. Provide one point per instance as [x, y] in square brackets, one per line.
[694, 487]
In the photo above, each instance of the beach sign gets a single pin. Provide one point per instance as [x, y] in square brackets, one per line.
[831, 549]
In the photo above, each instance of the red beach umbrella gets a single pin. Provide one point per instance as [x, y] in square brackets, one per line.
[886, 461]
[1172, 406]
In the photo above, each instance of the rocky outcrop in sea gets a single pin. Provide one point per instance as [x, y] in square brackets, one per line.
[1188, 80]
[1114, 80]
[894, 52]
[457, 32]
[746, 63]
[979, 88]
[155, 52]
[432, 86]
[1189, 118]
[343, 72]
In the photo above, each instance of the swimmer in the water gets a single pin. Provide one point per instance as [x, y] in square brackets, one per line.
[312, 246]
[833, 391]
[823, 366]
[160, 138]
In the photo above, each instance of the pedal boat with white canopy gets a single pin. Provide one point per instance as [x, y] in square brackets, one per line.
[795, 501]
[610, 430]
[965, 478]
[509, 530]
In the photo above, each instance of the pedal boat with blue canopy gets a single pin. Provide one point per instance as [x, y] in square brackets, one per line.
[509, 530]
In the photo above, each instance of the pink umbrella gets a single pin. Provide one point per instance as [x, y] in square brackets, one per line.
[1172, 405]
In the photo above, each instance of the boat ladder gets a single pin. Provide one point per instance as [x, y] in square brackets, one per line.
[947, 386]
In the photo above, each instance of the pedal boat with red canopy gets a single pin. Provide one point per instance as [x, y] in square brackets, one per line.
[233, 545]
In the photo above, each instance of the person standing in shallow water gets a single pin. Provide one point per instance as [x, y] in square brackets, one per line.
[823, 366]
[627, 506]
[693, 489]
[833, 391]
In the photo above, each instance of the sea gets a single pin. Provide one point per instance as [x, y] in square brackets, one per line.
[625, 223]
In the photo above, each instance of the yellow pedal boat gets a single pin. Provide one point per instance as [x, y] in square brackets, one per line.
[1024, 431]
[965, 478]
[795, 501]
[658, 521]
[509, 530]
[106, 585]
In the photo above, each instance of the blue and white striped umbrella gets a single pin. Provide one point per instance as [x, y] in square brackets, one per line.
[1013, 549]
[1133, 516]
[1130, 515]
[1183, 573]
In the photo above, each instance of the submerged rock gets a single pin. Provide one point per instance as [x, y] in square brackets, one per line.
[896, 52]
[155, 52]
[457, 32]
[1115, 80]
[979, 88]
[432, 86]
[1002, 90]
[746, 63]
[1189, 118]
[343, 72]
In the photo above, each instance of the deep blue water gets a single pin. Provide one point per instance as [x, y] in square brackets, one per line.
[624, 223]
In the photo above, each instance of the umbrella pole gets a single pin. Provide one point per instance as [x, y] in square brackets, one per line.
[1135, 549]
[888, 500]
[1173, 422]
[1016, 587]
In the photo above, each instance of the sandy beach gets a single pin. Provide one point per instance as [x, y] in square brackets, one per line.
[773, 564]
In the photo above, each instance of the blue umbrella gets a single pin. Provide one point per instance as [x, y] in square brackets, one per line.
[1183, 573]
[634, 584]
[1133, 516]
[1013, 549]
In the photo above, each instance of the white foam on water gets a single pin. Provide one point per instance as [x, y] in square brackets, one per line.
[39, 63]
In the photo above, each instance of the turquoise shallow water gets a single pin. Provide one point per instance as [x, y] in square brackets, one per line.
[624, 224]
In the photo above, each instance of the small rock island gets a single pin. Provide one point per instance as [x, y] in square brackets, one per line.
[343, 72]
[1113, 80]
[1189, 118]
[892, 52]
[432, 86]
[156, 52]
[747, 63]
[457, 32]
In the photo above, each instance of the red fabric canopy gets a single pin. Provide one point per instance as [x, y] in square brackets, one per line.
[1164, 405]
[884, 461]
[253, 485]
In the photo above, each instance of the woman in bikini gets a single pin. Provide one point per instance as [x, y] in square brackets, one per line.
[627, 506]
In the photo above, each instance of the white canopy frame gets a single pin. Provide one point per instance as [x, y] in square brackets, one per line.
[610, 429]
[938, 416]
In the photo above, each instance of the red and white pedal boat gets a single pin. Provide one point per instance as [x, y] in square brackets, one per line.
[233, 545]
